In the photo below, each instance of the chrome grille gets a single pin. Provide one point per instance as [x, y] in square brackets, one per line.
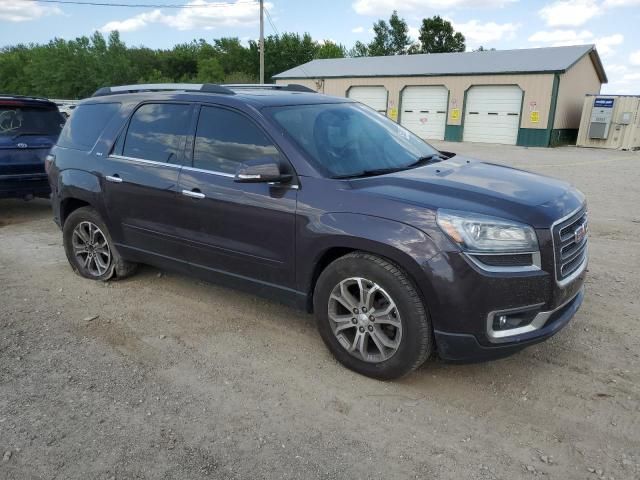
[570, 244]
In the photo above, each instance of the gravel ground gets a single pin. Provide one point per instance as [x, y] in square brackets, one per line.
[162, 376]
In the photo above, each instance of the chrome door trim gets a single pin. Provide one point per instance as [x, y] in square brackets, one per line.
[143, 161]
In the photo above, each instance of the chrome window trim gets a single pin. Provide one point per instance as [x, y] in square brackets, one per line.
[534, 267]
[497, 336]
[142, 160]
[211, 172]
[578, 271]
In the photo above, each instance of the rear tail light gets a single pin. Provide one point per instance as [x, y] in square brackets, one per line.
[48, 161]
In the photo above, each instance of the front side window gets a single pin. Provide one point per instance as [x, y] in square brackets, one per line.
[225, 138]
[348, 139]
[157, 132]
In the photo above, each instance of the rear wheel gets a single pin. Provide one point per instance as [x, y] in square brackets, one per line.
[89, 248]
[371, 317]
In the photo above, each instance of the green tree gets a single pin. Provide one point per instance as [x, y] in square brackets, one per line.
[359, 50]
[438, 36]
[399, 32]
[382, 43]
[210, 70]
[329, 49]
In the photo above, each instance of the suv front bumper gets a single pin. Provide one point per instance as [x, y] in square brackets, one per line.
[465, 348]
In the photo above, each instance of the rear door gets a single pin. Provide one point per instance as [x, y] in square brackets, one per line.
[244, 229]
[140, 180]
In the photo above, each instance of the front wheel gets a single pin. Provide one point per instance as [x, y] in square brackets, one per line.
[371, 317]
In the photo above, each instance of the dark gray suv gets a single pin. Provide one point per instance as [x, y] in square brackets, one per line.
[400, 250]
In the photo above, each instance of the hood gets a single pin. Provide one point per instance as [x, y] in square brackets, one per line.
[469, 185]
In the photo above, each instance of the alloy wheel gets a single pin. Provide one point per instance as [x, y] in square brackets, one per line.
[365, 320]
[91, 248]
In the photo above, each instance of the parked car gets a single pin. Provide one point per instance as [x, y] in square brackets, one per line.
[29, 127]
[325, 204]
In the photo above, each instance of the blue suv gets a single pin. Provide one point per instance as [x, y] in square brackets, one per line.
[29, 127]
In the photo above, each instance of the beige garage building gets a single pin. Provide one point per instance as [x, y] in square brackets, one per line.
[530, 97]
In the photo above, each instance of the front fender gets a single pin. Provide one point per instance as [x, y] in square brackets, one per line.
[405, 245]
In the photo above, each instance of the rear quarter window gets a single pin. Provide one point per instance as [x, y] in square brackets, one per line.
[86, 124]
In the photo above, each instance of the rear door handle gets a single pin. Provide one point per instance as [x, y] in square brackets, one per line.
[193, 193]
[114, 178]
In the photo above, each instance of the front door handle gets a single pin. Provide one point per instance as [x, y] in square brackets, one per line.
[193, 193]
[115, 178]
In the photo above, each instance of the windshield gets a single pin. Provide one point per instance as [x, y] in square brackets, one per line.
[348, 139]
[17, 120]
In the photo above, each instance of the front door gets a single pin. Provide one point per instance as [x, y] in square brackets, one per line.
[140, 180]
[246, 230]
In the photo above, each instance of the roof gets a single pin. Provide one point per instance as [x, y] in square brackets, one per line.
[529, 60]
[257, 98]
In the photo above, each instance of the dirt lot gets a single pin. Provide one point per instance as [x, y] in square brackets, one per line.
[162, 376]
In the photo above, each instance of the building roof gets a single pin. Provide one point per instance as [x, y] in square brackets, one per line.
[529, 60]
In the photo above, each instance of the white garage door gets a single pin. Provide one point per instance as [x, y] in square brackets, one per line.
[374, 97]
[492, 114]
[424, 111]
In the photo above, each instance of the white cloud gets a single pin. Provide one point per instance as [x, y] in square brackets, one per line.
[569, 13]
[558, 38]
[201, 14]
[134, 23]
[621, 3]
[616, 69]
[20, 11]
[631, 77]
[634, 57]
[478, 33]
[357, 29]
[605, 44]
[384, 7]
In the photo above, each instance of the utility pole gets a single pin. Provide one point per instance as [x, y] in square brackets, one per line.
[261, 41]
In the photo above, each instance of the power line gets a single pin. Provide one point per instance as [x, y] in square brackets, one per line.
[147, 5]
[271, 21]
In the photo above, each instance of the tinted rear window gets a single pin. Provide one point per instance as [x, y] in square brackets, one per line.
[16, 120]
[86, 124]
[157, 132]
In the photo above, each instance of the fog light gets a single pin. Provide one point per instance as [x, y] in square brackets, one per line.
[507, 321]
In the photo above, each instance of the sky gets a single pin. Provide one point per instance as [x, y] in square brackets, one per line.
[612, 25]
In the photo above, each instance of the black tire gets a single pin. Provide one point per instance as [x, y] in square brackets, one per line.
[416, 339]
[115, 268]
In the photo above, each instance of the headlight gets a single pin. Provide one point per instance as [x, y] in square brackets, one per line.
[481, 233]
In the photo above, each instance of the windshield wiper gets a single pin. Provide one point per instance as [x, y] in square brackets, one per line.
[427, 159]
[371, 173]
[29, 133]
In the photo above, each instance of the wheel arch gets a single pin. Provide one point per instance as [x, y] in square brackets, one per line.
[77, 189]
[401, 244]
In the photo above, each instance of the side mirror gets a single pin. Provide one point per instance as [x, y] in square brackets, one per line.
[263, 170]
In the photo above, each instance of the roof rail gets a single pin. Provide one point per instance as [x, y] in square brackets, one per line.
[23, 97]
[159, 87]
[289, 87]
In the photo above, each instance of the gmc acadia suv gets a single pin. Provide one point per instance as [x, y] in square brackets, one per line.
[400, 250]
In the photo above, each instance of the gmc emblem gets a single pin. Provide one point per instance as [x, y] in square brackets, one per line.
[579, 234]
